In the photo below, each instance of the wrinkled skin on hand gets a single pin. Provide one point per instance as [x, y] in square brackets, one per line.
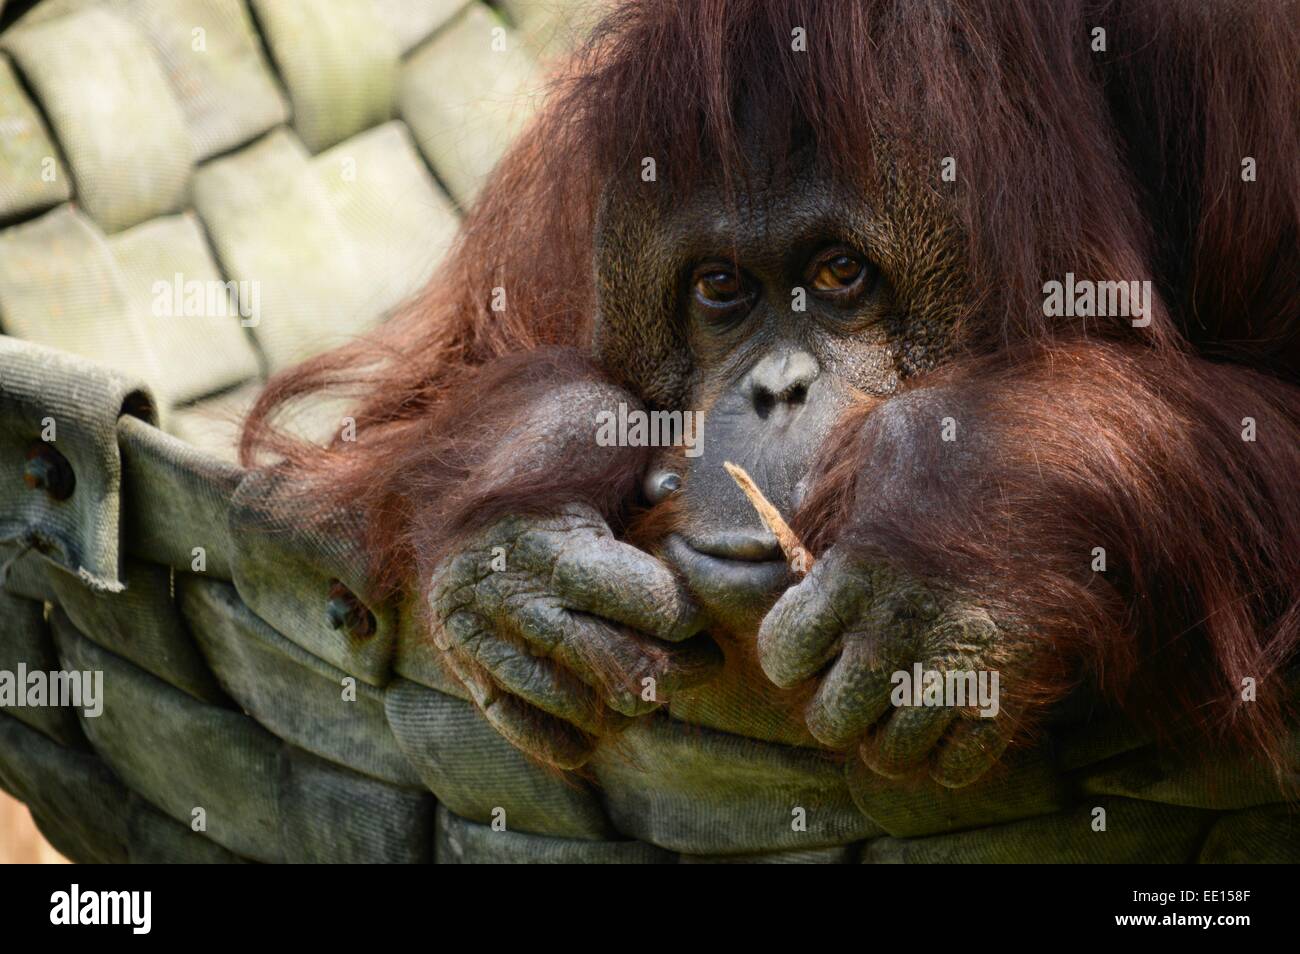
[562, 633]
[853, 622]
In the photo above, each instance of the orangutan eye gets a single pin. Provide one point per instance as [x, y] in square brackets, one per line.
[839, 272]
[719, 286]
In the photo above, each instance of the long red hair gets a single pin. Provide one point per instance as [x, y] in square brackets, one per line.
[1111, 163]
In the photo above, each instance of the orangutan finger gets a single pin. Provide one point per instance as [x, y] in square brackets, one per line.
[616, 581]
[802, 632]
[905, 739]
[526, 727]
[535, 679]
[635, 673]
[851, 697]
[972, 747]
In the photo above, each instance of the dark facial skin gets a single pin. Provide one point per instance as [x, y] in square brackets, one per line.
[699, 311]
[787, 317]
[711, 289]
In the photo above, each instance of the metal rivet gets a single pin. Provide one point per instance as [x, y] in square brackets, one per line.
[344, 611]
[46, 469]
[661, 484]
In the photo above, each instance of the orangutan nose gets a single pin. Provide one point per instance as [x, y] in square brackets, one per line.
[781, 381]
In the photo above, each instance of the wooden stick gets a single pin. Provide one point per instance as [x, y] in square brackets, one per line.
[798, 556]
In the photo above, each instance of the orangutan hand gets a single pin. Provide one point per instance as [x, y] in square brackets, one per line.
[561, 633]
[853, 624]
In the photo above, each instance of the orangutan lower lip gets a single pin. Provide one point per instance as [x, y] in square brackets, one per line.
[710, 575]
[746, 546]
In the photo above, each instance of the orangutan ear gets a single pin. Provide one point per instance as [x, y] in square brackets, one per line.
[1203, 97]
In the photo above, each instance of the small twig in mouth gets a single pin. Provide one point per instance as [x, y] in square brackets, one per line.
[800, 559]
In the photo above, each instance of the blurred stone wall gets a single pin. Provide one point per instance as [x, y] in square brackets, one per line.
[318, 151]
[202, 192]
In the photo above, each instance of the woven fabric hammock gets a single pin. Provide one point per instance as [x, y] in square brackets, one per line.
[258, 702]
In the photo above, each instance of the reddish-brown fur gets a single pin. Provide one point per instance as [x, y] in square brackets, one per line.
[1113, 166]
[1088, 446]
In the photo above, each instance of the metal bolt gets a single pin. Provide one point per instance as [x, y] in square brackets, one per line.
[46, 469]
[661, 484]
[344, 611]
